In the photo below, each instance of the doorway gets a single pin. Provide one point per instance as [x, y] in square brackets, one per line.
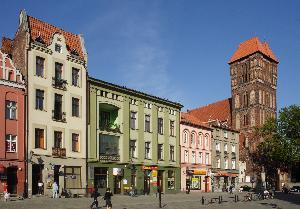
[117, 184]
[56, 174]
[146, 182]
[12, 180]
[37, 176]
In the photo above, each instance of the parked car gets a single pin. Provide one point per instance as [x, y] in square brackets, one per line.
[295, 189]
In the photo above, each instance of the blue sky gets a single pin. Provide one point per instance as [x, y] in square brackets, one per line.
[175, 49]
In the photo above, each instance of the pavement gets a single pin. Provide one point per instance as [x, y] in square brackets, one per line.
[169, 201]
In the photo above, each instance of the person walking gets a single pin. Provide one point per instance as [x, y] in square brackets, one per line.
[107, 197]
[95, 195]
[54, 190]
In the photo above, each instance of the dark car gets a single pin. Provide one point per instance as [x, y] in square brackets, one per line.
[295, 189]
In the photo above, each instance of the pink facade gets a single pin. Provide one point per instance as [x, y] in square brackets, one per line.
[195, 145]
[12, 134]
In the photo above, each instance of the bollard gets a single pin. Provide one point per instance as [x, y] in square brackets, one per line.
[220, 199]
[251, 196]
[202, 200]
[237, 198]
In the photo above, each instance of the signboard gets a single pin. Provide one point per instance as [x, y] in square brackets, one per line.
[154, 173]
[149, 168]
[117, 171]
[199, 172]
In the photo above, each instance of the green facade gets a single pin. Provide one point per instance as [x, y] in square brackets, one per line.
[109, 111]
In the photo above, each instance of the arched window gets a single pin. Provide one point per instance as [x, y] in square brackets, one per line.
[193, 139]
[200, 140]
[206, 142]
[185, 136]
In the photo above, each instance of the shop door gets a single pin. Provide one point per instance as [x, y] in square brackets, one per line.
[206, 184]
[160, 179]
[12, 180]
[37, 176]
[101, 179]
[117, 184]
[146, 182]
[56, 174]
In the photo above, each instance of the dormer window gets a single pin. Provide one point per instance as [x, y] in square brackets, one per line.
[58, 48]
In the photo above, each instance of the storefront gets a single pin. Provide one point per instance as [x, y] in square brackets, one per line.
[12, 178]
[223, 180]
[196, 180]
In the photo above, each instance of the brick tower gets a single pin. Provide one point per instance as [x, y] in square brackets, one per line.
[253, 71]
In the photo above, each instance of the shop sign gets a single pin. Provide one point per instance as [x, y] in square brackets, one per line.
[199, 172]
[154, 173]
[117, 171]
[149, 168]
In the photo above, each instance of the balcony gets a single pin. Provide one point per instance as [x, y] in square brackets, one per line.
[110, 127]
[109, 158]
[58, 152]
[59, 83]
[59, 116]
[218, 152]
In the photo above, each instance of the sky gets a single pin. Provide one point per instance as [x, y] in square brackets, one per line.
[174, 49]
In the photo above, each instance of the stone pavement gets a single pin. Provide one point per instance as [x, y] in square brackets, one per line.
[175, 201]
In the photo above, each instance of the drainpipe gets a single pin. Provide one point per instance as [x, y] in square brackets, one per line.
[86, 133]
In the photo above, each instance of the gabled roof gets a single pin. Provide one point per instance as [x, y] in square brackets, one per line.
[190, 119]
[251, 46]
[220, 110]
[45, 31]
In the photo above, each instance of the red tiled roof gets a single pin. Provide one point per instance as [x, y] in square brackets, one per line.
[7, 45]
[187, 118]
[46, 31]
[220, 110]
[251, 46]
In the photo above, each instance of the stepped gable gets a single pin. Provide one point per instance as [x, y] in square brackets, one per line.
[220, 110]
[251, 46]
[45, 31]
[190, 119]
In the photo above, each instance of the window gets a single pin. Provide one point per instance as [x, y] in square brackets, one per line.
[185, 137]
[218, 132]
[200, 140]
[39, 138]
[192, 140]
[206, 142]
[218, 147]
[233, 164]
[40, 66]
[39, 99]
[132, 148]
[200, 158]
[101, 177]
[207, 158]
[147, 123]
[186, 156]
[218, 163]
[226, 164]
[147, 150]
[75, 142]
[193, 157]
[58, 107]
[11, 110]
[57, 139]
[225, 148]
[160, 126]
[232, 148]
[104, 119]
[58, 70]
[75, 76]
[172, 153]
[11, 143]
[75, 107]
[160, 152]
[171, 180]
[72, 177]
[109, 145]
[132, 120]
[225, 134]
[172, 128]
[58, 48]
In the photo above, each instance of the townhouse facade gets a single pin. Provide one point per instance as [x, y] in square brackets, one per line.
[225, 157]
[196, 157]
[12, 125]
[133, 140]
[54, 63]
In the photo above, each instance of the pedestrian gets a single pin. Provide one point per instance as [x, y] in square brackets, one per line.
[40, 188]
[107, 198]
[95, 196]
[230, 189]
[54, 190]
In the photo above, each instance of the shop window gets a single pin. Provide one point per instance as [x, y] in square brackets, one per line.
[171, 180]
[73, 177]
[196, 183]
[100, 177]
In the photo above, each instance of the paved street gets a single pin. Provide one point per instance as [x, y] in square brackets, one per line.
[178, 201]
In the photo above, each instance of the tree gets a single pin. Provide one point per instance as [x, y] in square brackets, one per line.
[280, 143]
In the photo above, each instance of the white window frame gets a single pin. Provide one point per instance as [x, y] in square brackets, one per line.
[186, 156]
[11, 107]
[193, 157]
[200, 158]
[11, 139]
[207, 158]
